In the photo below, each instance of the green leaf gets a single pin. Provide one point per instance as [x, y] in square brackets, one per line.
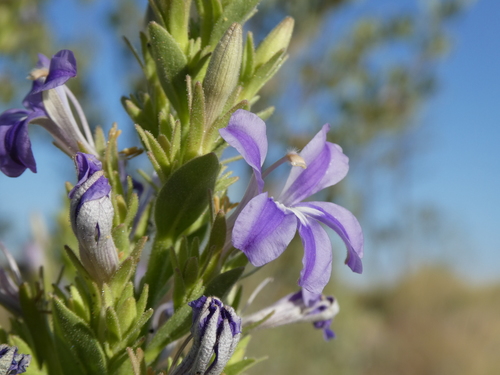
[122, 276]
[141, 303]
[278, 39]
[184, 197]
[159, 271]
[211, 255]
[114, 332]
[222, 73]
[134, 331]
[197, 126]
[236, 11]
[179, 291]
[174, 328]
[171, 65]
[247, 63]
[79, 338]
[127, 314]
[222, 283]
[263, 74]
[243, 365]
[190, 273]
[178, 19]
[79, 304]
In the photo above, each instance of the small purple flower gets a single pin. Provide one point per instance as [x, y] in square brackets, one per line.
[12, 363]
[48, 105]
[292, 309]
[91, 214]
[216, 330]
[264, 226]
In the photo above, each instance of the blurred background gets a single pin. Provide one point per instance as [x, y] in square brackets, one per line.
[410, 89]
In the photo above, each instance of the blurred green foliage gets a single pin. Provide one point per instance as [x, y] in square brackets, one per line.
[431, 322]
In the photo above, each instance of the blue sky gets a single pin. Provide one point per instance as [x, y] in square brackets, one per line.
[457, 171]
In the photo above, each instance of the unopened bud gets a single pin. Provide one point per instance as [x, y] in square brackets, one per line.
[292, 309]
[216, 330]
[223, 72]
[278, 39]
[91, 214]
[12, 363]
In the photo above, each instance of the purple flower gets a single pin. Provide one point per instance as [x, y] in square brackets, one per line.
[48, 105]
[292, 309]
[264, 226]
[216, 330]
[91, 215]
[12, 363]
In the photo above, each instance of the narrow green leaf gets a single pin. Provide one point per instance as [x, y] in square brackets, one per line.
[197, 125]
[221, 284]
[236, 11]
[222, 73]
[263, 74]
[248, 60]
[178, 20]
[243, 365]
[170, 64]
[114, 332]
[179, 290]
[190, 273]
[143, 299]
[80, 339]
[122, 276]
[278, 39]
[127, 314]
[174, 328]
[183, 198]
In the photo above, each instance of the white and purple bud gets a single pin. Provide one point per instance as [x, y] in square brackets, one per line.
[216, 330]
[292, 309]
[91, 215]
[12, 363]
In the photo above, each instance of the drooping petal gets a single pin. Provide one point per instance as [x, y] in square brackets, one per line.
[86, 166]
[326, 165]
[62, 67]
[246, 132]
[344, 223]
[317, 260]
[43, 62]
[263, 230]
[15, 146]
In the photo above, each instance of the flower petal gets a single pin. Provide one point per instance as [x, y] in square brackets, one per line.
[62, 67]
[317, 258]
[246, 132]
[15, 145]
[262, 230]
[344, 223]
[326, 165]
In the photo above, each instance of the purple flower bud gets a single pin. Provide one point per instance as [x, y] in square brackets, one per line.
[216, 330]
[12, 363]
[292, 309]
[51, 105]
[91, 214]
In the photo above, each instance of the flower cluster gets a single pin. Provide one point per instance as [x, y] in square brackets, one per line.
[264, 226]
[216, 331]
[114, 311]
[47, 104]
